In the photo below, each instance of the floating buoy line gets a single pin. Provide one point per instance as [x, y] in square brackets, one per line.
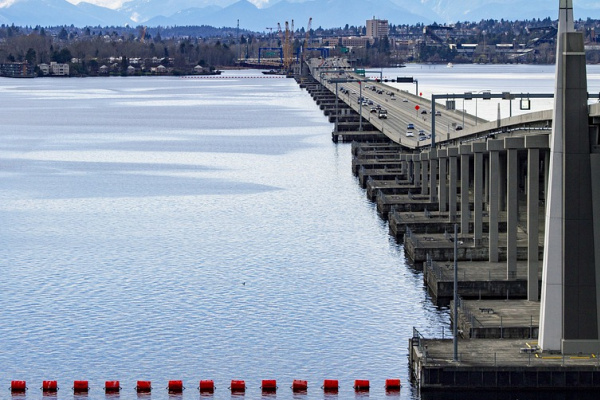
[204, 386]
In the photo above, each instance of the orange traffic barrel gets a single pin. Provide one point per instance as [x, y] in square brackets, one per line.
[49, 386]
[331, 385]
[207, 386]
[299, 385]
[361, 385]
[269, 385]
[112, 387]
[238, 386]
[175, 387]
[143, 387]
[392, 384]
[81, 387]
[18, 386]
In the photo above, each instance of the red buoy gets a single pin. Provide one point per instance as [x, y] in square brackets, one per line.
[81, 387]
[361, 385]
[18, 386]
[299, 386]
[330, 385]
[392, 384]
[143, 386]
[49, 386]
[112, 387]
[269, 385]
[207, 386]
[175, 387]
[238, 386]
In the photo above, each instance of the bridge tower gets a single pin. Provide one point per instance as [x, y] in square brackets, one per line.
[570, 301]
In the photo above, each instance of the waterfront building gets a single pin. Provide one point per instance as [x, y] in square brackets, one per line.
[378, 28]
[356, 41]
[16, 70]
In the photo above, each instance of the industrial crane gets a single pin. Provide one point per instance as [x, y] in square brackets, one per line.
[287, 47]
[307, 36]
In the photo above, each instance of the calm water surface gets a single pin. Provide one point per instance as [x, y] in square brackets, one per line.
[171, 228]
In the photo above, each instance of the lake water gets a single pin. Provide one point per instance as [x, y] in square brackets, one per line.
[171, 228]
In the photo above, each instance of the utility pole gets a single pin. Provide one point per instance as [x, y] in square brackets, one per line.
[239, 45]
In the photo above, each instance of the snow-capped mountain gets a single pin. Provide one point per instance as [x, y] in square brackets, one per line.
[325, 13]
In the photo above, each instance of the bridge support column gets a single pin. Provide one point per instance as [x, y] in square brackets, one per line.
[424, 174]
[494, 147]
[443, 192]
[453, 189]
[486, 181]
[404, 165]
[417, 169]
[503, 182]
[433, 170]
[478, 150]
[512, 146]
[465, 167]
[533, 145]
[570, 306]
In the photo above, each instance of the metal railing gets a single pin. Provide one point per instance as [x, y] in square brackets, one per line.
[468, 313]
[409, 235]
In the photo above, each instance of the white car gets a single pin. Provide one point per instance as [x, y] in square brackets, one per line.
[410, 134]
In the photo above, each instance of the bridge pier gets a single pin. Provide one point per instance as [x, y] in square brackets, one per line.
[453, 187]
[465, 157]
[478, 150]
[417, 169]
[512, 146]
[494, 147]
[533, 144]
[433, 161]
[443, 193]
[425, 173]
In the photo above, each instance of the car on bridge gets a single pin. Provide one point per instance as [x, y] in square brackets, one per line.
[410, 134]
[410, 126]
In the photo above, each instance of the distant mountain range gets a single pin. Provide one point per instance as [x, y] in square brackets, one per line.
[325, 13]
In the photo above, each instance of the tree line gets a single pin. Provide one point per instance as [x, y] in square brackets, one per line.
[182, 48]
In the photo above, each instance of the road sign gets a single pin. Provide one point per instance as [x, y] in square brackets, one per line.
[417, 107]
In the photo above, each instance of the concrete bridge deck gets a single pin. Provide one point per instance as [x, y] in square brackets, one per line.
[451, 126]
